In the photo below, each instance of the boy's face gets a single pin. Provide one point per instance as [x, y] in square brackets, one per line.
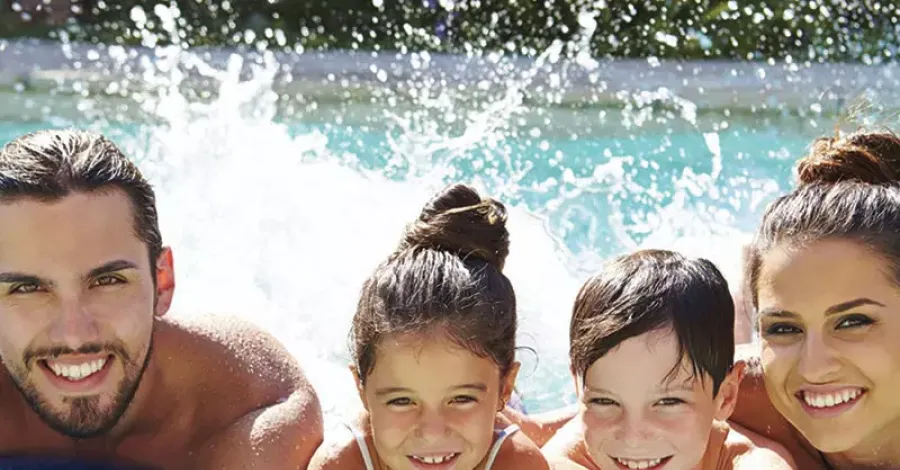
[638, 416]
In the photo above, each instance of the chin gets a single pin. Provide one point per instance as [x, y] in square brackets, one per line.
[833, 442]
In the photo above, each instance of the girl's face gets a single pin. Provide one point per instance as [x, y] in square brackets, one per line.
[828, 319]
[432, 404]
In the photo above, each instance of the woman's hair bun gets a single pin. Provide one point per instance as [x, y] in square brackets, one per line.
[866, 157]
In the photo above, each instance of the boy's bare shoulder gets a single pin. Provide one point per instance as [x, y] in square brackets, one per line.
[748, 450]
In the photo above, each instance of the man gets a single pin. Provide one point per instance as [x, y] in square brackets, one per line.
[92, 368]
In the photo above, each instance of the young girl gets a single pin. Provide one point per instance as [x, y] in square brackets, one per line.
[433, 344]
[651, 349]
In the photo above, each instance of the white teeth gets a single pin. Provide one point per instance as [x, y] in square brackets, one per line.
[829, 400]
[76, 371]
[434, 459]
[639, 464]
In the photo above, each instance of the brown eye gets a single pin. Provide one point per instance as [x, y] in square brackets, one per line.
[781, 329]
[108, 281]
[670, 401]
[464, 399]
[402, 401]
[602, 402]
[854, 321]
[26, 288]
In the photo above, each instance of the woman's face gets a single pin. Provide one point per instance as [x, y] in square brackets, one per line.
[829, 319]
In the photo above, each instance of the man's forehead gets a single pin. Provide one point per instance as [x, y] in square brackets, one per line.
[107, 208]
[81, 229]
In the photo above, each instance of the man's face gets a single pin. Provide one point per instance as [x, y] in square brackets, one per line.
[77, 302]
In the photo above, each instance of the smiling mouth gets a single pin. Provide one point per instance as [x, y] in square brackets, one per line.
[642, 464]
[833, 400]
[443, 459]
[75, 371]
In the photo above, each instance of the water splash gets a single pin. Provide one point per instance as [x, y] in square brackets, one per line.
[270, 222]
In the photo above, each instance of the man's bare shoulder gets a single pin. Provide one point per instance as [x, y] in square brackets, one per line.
[748, 450]
[234, 368]
[340, 451]
[227, 349]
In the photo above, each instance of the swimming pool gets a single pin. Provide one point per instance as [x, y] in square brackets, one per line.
[279, 215]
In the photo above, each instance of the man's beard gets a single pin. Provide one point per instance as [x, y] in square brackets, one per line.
[84, 418]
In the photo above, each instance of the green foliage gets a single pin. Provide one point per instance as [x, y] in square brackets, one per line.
[799, 30]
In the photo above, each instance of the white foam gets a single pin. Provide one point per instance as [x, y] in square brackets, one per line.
[274, 228]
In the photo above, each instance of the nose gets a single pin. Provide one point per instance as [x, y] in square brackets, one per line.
[74, 326]
[818, 360]
[432, 424]
[632, 430]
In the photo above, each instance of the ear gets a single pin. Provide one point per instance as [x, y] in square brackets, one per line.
[165, 282]
[508, 384]
[360, 389]
[728, 391]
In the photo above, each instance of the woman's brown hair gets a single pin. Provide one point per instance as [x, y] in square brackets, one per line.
[848, 189]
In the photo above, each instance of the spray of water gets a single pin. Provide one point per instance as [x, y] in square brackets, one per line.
[274, 226]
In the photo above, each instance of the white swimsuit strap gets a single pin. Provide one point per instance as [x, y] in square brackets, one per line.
[363, 447]
[495, 448]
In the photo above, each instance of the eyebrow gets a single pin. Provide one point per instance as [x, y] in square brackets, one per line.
[833, 310]
[686, 386]
[479, 387]
[601, 391]
[106, 268]
[21, 278]
[111, 267]
[662, 388]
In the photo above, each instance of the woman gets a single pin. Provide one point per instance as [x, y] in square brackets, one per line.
[823, 275]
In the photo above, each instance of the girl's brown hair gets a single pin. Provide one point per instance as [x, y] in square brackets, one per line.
[446, 275]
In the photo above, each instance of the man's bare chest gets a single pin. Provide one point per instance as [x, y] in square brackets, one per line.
[171, 449]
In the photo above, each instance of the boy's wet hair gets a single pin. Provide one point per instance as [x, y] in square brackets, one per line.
[656, 290]
[445, 278]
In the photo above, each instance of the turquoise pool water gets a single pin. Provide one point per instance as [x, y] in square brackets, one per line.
[280, 219]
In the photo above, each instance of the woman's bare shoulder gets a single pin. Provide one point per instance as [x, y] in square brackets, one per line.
[748, 450]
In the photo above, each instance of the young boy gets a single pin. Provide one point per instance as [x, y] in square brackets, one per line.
[651, 351]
